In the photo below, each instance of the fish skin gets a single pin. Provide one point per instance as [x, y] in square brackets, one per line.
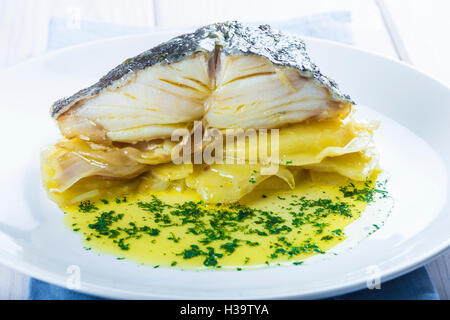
[232, 38]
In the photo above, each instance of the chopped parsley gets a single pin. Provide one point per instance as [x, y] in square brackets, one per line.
[220, 230]
[252, 177]
[87, 206]
[365, 194]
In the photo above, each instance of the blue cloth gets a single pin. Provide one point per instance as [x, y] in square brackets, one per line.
[332, 26]
[62, 33]
[415, 285]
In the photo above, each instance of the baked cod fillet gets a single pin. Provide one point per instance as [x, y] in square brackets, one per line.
[227, 75]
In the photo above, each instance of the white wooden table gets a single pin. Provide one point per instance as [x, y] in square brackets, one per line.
[415, 31]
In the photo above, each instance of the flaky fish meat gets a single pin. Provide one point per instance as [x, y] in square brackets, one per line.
[229, 74]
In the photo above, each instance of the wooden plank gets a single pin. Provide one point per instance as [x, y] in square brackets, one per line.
[13, 285]
[424, 27]
[23, 30]
[24, 23]
[129, 12]
[439, 271]
[391, 28]
[424, 45]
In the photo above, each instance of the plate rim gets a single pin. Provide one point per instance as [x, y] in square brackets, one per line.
[345, 287]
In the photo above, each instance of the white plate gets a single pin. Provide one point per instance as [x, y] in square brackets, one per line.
[33, 239]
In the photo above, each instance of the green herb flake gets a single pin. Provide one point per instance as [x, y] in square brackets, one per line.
[87, 206]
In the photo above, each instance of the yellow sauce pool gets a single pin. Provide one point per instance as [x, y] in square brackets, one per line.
[175, 229]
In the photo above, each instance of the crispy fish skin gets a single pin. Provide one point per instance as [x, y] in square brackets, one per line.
[229, 38]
